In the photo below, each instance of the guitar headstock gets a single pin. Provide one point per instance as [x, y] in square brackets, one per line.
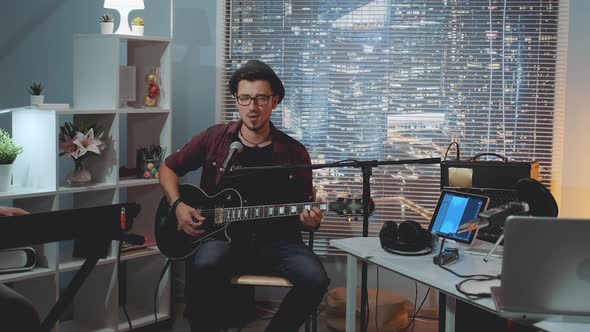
[350, 206]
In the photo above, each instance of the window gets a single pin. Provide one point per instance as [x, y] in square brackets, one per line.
[387, 80]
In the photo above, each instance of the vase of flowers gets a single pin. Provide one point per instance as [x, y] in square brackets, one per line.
[80, 143]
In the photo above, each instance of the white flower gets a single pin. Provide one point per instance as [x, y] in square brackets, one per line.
[87, 143]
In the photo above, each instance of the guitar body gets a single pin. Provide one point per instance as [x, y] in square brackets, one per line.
[176, 244]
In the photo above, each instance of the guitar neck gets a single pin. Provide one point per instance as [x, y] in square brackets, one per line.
[268, 211]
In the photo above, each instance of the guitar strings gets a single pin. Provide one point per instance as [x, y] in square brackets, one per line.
[211, 212]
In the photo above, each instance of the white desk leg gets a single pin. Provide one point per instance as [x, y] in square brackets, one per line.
[351, 272]
[451, 307]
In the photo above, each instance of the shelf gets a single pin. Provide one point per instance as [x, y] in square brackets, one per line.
[77, 263]
[102, 84]
[17, 192]
[126, 37]
[151, 110]
[134, 182]
[145, 252]
[72, 111]
[75, 326]
[83, 189]
[34, 272]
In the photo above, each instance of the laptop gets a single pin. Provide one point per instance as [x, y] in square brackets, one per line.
[545, 269]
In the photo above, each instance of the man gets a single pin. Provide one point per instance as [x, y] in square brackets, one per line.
[264, 247]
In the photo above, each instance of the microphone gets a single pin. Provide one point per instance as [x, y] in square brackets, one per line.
[495, 216]
[234, 149]
[472, 225]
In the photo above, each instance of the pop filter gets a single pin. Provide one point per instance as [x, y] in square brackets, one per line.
[541, 202]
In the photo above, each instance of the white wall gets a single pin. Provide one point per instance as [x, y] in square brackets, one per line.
[576, 176]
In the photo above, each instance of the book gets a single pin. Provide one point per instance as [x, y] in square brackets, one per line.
[17, 259]
[54, 107]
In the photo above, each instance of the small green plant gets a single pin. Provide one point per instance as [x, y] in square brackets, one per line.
[107, 18]
[35, 89]
[8, 150]
[137, 21]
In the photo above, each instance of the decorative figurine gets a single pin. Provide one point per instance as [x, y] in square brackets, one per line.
[152, 79]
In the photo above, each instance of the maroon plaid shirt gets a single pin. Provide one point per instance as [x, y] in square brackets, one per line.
[210, 148]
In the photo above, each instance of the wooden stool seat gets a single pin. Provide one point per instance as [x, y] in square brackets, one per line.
[261, 280]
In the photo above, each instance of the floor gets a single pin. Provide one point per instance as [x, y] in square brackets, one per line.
[179, 324]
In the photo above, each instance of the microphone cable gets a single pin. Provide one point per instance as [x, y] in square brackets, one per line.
[166, 266]
[469, 278]
[124, 303]
[449, 148]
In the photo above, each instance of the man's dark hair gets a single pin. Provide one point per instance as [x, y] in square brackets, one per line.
[255, 70]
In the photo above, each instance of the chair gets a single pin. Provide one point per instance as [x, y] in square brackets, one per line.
[311, 323]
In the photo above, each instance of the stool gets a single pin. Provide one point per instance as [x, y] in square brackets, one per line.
[273, 281]
[311, 323]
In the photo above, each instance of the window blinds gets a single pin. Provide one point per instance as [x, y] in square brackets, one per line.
[388, 80]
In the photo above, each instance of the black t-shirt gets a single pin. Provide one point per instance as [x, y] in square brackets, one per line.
[264, 187]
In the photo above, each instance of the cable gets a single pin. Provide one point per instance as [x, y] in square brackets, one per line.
[123, 305]
[474, 296]
[468, 278]
[416, 312]
[415, 301]
[482, 276]
[166, 266]
[377, 301]
[458, 154]
[486, 276]
[367, 311]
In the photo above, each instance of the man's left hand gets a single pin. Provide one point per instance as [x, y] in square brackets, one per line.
[311, 218]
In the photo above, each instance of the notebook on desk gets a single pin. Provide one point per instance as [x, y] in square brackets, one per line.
[545, 269]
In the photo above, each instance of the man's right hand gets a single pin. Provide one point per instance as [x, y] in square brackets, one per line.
[11, 211]
[189, 220]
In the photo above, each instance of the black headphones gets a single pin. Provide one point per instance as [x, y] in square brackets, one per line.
[407, 238]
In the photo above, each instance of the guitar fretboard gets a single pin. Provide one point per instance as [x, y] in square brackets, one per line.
[265, 211]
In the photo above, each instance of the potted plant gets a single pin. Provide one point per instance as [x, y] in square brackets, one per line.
[107, 24]
[35, 89]
[137, 26]
[8, 153]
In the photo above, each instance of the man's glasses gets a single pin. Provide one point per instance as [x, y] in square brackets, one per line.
[245, 100]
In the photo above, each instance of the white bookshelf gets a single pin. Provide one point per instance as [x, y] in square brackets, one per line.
[39, 184]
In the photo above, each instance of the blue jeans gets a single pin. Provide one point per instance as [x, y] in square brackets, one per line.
[216, 262]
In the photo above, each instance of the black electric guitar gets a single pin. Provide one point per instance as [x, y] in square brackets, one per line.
[225, 208]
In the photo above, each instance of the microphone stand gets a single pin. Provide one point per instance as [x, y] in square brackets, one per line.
[485, 259]
[367, 170]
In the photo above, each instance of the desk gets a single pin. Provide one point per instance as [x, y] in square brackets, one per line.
[421, 269]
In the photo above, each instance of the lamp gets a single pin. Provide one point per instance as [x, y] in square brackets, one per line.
[124, 7]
